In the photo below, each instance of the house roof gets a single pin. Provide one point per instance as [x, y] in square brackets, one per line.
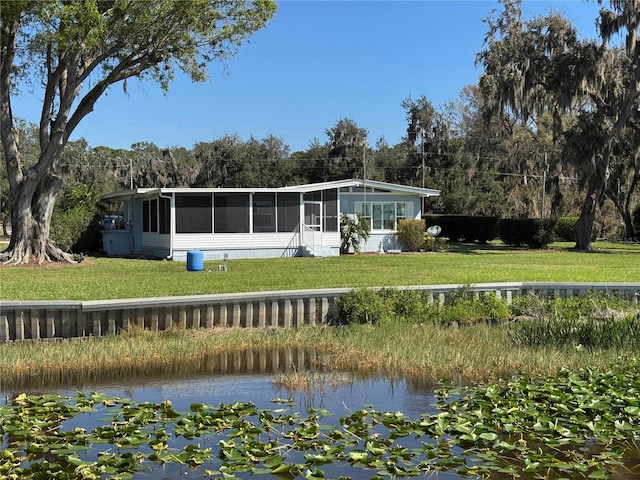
[308, 187]
[355, 182]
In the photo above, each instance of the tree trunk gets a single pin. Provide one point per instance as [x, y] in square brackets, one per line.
[629, 234]
[624, 211]
[595, 197]
[31, 210]
[623, 200]
[584, 225]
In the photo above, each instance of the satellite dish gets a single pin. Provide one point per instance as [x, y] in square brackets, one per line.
[434, 230]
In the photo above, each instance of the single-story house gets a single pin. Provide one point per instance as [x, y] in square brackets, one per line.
[300, 220]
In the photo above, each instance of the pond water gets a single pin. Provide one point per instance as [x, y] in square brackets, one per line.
[342, 398]
[243, 380]
[253, 376]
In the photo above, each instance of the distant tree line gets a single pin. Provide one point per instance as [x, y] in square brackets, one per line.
[497, 168]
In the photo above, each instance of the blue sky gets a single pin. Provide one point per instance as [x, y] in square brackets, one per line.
[316, 62]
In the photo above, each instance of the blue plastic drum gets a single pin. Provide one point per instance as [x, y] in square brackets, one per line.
[195, 261]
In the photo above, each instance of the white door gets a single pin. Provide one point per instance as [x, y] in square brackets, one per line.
[313, 221]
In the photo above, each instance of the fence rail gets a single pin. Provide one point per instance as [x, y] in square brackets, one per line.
[33, 320]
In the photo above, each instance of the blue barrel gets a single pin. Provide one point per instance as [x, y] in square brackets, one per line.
[195, 261]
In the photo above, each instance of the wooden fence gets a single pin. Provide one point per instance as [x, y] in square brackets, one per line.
[32, 320]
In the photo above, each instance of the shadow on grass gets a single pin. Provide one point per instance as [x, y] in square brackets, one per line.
[482, 248]
[494, 247]
[600, 247]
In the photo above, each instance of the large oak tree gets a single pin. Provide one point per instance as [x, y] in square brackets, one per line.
[75, 51]
[539, 66]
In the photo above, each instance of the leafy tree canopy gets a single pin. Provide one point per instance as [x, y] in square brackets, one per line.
[76, 50]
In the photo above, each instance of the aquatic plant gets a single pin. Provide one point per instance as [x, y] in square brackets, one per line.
[575, 425]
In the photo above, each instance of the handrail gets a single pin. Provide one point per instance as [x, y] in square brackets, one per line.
[305, 235]
[293, 243]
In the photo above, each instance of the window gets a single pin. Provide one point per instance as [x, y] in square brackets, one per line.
[145, 216]
[231, 213]
[264, 212]
[154, 215]
[330, 205]
[401, 211]
[150, 216]
[383, 215]
[165, 216]
[193, 213]
[288, 211]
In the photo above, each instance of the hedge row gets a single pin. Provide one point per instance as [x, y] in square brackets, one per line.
[533, 232]
[465, 228]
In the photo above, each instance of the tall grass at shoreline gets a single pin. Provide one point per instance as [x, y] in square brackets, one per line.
[130, 354]
[470, 354]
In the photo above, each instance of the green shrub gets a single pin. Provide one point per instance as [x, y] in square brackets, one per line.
[589, 306]
[434, 244]
[467, 307]
[429, 243]
[533, 232]
[565, 229]
[68, 227]
[530, 306]
[411, 234]
[368, 306]
[581, 319]
[406, 304]
[362, 306]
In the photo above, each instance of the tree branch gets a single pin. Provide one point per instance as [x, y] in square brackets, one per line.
[8, 134]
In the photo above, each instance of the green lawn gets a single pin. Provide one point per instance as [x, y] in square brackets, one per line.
[104, 278]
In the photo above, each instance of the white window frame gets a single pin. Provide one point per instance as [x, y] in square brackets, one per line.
[366, 210]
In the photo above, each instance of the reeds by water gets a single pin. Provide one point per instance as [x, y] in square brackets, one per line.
[469, 354]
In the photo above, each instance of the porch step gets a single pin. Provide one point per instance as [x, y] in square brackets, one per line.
[319, 251]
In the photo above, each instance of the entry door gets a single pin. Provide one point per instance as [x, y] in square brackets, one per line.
[313, 220]
[312, 215]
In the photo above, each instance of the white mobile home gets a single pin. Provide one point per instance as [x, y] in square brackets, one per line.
[231, 223]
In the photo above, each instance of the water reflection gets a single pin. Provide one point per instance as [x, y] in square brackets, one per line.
[240, 362]
[248, 376]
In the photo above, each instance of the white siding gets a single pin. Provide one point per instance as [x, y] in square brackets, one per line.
[209, 241]
[155, 244]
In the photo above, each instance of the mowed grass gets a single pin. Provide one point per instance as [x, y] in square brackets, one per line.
[109, 278]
